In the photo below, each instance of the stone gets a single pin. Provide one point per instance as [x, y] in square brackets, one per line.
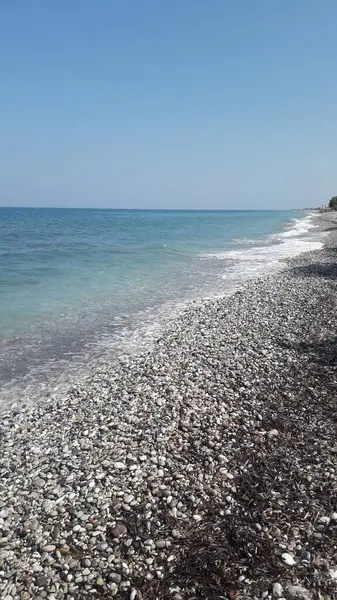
[113, 588]
[119, 530]
[115, 577]
[39, 482]
[101, 546]
[160, 544]
[306, 557]
[128, 498]
[119, 465]
[41, 581]
[297, 591]
[73, 564]
[86, 562]
[288, 559]
[49, 548]
[277, 590]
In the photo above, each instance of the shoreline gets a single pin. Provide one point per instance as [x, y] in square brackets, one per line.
[200, 468]
[45, 361]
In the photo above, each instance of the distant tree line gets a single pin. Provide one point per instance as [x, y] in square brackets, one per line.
[333, 203]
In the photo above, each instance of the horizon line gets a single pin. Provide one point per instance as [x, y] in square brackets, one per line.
[149, 209]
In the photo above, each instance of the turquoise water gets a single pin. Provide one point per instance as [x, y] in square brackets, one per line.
[75, 285]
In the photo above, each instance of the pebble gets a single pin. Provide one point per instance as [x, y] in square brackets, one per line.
[86, 562]
[306, 557]
[297, 591]
[119, 465]
[119, 531]
[41, 581]
[115, 577]
[49, 548]
[277, 590]
[101, 546]
[288, 559]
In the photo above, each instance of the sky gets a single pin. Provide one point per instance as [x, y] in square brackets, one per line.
[168, 103]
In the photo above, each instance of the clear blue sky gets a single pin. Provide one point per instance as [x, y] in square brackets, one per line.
[168, 103]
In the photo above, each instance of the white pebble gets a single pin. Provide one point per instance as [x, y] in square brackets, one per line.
[288, 559]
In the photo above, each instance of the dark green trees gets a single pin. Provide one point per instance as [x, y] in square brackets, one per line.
[333, 203]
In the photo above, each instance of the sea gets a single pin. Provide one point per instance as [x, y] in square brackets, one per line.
[80, 286]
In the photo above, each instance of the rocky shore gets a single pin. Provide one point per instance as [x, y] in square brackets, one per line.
[206, 468]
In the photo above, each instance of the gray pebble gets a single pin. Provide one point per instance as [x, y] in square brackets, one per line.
[277, 590]
[86, 562]
[115, 577]
[49, 548]
[101, 546]
[41, 581]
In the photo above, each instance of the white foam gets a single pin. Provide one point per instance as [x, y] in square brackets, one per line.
[242, 264]
[298, 227]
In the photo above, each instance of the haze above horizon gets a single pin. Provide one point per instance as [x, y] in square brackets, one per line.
[167, 105]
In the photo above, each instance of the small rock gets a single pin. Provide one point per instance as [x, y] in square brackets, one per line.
[119, 465]
[333, 573]
[277, 590]
[115, 577]
[128, 498]
[33, 525]
[41, 581]
[56, 532]
[73, 564]
[297, 591]
[49, 548]
[3, 541]
[119, 530]
[86, 562]
[288, 559]
[39, 482]
[306, 557]
[160, 544]
[4, 514]
[113, 588]
[101, 546]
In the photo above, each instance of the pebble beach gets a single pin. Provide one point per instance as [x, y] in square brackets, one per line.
[204, 468]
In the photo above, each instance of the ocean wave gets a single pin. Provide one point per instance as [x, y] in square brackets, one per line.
[297, 227]
[276, 247]
[248, 241]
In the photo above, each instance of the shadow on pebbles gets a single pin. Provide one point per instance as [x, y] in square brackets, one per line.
[205, 468]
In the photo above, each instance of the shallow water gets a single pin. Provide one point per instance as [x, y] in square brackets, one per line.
[76, 286]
